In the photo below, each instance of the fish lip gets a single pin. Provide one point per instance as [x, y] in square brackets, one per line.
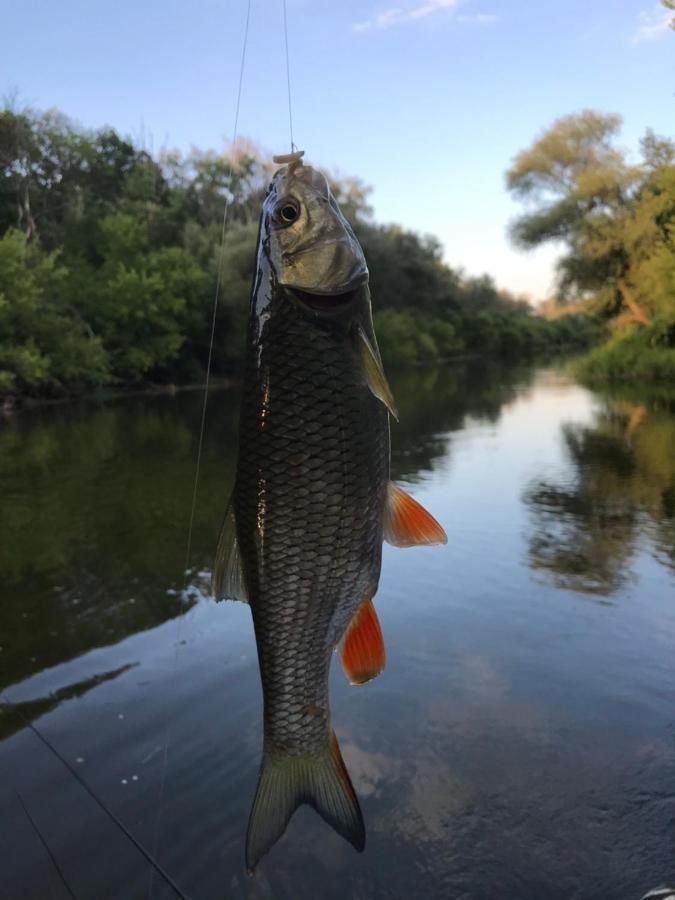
[326, 303]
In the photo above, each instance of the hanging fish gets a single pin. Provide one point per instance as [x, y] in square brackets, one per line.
[312, 501]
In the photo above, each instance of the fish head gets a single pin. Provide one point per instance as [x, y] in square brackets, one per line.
[310, 244]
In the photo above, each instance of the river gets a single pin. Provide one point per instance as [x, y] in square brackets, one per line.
[519, 744]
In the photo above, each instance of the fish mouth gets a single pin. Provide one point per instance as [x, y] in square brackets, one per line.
[325, 303]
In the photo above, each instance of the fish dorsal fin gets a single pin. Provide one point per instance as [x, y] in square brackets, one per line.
[227, 581]
[375, 377]
[362, 649]
[407, 523]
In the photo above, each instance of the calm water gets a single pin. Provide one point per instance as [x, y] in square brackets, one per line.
[521, 742]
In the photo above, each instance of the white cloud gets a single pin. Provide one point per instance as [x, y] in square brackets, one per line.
[653, 25]
[431, 7]
[478, 19]
[394, 15]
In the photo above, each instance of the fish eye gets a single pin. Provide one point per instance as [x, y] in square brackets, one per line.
[287, 212]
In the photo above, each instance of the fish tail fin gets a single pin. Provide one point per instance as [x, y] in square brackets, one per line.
[286, 782]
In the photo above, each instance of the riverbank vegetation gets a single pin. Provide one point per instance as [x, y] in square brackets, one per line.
[615, 222]
[109, 258]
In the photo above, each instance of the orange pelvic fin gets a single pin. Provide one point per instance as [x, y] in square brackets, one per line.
[407, 523]
[362, 649]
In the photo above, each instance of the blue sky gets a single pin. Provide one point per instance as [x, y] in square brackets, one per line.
[425, 100]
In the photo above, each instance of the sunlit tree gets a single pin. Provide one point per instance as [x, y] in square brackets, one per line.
[612, 219]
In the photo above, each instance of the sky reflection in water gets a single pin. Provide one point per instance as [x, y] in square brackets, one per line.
[520, 741]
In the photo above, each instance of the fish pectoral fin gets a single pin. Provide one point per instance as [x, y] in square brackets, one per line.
[407, 523]
[227, 580]
[374, 374]
[362, 650]
[287, 781]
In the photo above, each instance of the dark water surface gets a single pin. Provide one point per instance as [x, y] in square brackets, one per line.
[520, 743]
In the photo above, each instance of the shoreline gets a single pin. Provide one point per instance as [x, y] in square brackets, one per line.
[17, 403]
[13, 404]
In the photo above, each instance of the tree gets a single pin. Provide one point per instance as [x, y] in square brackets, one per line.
[139, 299]
[110, 257]
[44, 343]
[612, 217]
[578, 183]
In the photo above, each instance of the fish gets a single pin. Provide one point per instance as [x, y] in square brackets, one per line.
[312, 500]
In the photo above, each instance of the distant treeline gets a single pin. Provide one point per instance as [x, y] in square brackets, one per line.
[109, 258]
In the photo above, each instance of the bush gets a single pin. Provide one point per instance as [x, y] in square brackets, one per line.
[637, 355]
[42, 342]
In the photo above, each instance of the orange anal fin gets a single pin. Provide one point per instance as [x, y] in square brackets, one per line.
[362, 649]
[407, 523]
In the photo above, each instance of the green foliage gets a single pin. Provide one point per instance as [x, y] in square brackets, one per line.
[647, 355]
[407, 270]
[611, 215]
[43, 343]
[617, 224]
[414, 338]
[110, 261]
[403, 338]
[139, 301]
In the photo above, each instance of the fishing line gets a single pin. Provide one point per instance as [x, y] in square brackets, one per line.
[44, 843]
[202, 424]
[214, 313]
[288, 78]
[94, 796]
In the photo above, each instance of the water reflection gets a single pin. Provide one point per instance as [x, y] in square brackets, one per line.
[15, 716]
[620, 490]
[434, 403]
[93, 521]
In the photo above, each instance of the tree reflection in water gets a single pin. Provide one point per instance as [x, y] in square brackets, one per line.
[621, 491]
